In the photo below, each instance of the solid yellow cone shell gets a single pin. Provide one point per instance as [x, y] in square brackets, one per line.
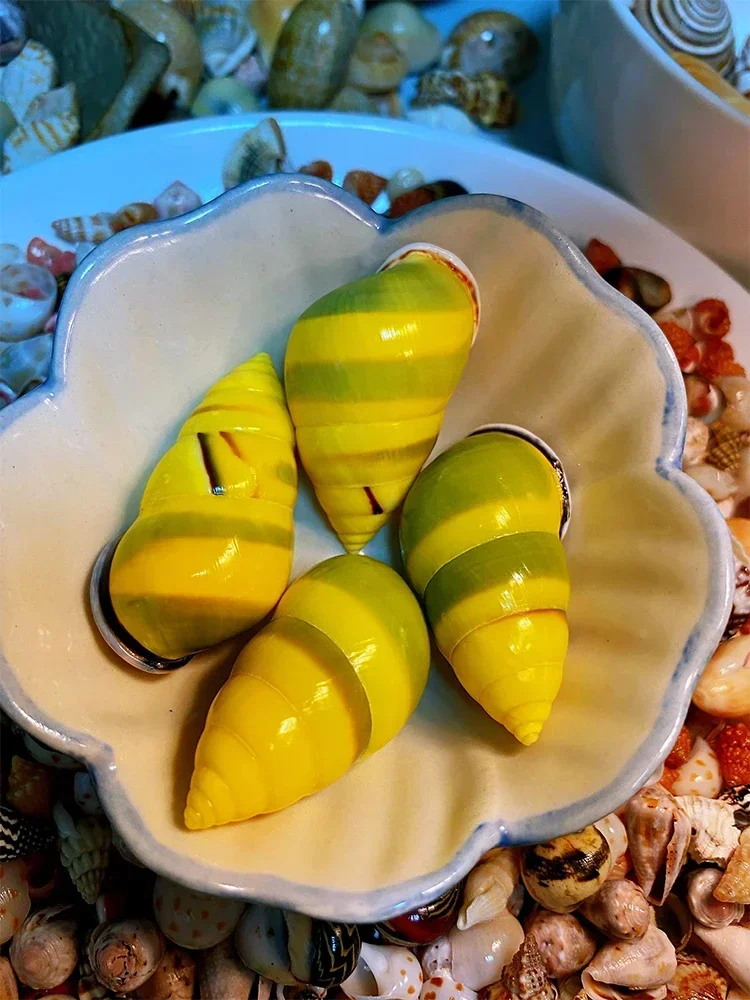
[369, 371]
[480, 539]
[333, 676]
[210, 552]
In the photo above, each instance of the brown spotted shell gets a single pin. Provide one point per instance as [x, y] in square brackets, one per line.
[563, 872]
[125, 954]
[526, 977]
[484, 96]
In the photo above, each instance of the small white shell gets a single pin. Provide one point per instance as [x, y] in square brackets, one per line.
[444, 116]
[718, 483]
[84, 851]
[411, 32]
[477, 955]
[489, 887]
[701, 774]
[85, 794]
[405, 179]
[704, 906]
[85, 228]
[714, 836]
[14, 899]
[696, 442]
[44, 952]
[724, 688]
[30, 74]
[613, 829]
[258, 152]
[736, 391]
[731, 945]
[175, 200]
[194, 919]
[442, 987]
[27, 298]
[644, 964]
[384, 971]
[52, 758]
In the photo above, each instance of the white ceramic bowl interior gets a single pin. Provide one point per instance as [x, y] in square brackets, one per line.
[628, 116]
[157, 314]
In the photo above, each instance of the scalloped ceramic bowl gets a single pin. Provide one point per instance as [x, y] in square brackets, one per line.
[149, 322]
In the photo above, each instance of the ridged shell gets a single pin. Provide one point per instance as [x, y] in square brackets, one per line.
[193, 919]
[564, 943]
[19, 836]
[705, 906]
[27, 294]
[492, 40]
[174, 978]
[257, 152]
[376, 64]
[85, 228]
[30, 74]
[312, 54]
[308, 661]
[30, 789]
[714, 835]
[484, 96]
[619, 909]
[290, 948]
[84, 851]
[232, 474]
[166, 24]
[694, 980]
[731, 946]
[51, 125]
[124, 955]
[413, 34]
[658, 837]
[563, 872]
[15, 902]
[176, 200]
[734, 886]
[698, 28]
[44, 952]
[367, 387]
[525, 977]
[226, 38]
[489, 886]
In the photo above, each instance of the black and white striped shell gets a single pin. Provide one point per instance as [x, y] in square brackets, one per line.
[20, 837]
[290, 948]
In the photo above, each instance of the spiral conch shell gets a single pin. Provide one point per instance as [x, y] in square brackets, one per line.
[349, 628]
[714, 835]
[211, 550]
[44, 952]
[369, 370]
[480, 538]
[84, 851]
[698, 28]
[384, 971]
[704, 905]
[489, 886]
[734, 886]
[619, 909]
[659, 837]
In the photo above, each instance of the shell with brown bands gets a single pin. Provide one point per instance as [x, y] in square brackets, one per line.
[484, 96]
[563, 872]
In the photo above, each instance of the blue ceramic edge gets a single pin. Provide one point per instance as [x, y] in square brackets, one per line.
[386, 902]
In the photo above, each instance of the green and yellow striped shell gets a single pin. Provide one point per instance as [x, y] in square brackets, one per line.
[369, 370]
[210, 552]
[480, 536]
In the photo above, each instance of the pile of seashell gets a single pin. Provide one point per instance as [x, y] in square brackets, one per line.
[699, 35]
[653, 902]
[236, 56]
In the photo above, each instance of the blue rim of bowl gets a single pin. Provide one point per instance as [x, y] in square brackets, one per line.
[380, 904]
[631, 24]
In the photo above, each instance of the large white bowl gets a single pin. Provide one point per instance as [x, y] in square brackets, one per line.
[628, 116]
[149, 321]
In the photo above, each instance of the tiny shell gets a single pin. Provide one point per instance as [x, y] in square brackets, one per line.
[485, 97]
[318, 168]
[24, 365]
[8, 984]
[705, 400]
[85, 794]
[384, 971]
[736, 392]
[565, 945]
[701, 774]
[175, 200]
[561, 873]
[44, 952]
[30, 789]
[84, 851]
[525, 976]
[85, 228]
[694, 980]
[312, 54]
[15, 902]
[648, 290]
[223, 976]
[658, 838]
[734, 886]
[52, 758]
[717, 483]
[12, 31]
[30, 74]
[55, 260]
[376, 64]
[364, 184]
[489, 886]
[133, 215]
[619, 909]
[224, 96]
[405, 179]
[696, 442]
[424, 195]
[492, 40]
[706, 908]
[726, 447]
[164, 23]
[174, 978]
[412, 33]
[714, 835]
[27, 294]
[124, 955]
[442, 986]
[724, 688]
[256, 153]
[194, 919]
[226, 38]
[51, 125]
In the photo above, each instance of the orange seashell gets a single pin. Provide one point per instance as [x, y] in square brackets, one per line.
[85, 228]
[694, 980]
[735, 883]
[365, 185]
[30, 789]
[133, 214]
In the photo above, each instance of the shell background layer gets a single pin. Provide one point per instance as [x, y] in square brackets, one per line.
[550, 355]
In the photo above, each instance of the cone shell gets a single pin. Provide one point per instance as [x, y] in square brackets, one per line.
[210, 552]
[85, 228]
[369, 370]
[480, 539]
[346, 657]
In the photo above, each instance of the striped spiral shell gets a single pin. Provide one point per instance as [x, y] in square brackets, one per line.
[700, 28]
[211, 550]
[345, 657]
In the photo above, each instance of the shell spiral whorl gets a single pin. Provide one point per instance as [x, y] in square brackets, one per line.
[701, 28]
